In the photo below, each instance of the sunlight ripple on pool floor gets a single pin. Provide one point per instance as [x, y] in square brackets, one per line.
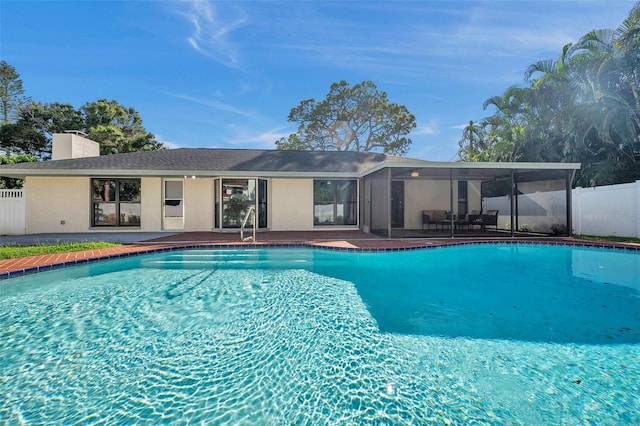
[277, 346]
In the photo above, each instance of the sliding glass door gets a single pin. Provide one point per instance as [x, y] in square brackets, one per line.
[234, 199]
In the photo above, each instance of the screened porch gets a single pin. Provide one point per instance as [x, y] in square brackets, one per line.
[468, 200]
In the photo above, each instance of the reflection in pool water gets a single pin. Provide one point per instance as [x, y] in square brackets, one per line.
[475, 334]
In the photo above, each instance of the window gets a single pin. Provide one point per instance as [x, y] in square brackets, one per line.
[262, 203]
[462, 198]
[238, 195]
[235, 198]
[173, 199]
[116, 202]
[335, 202]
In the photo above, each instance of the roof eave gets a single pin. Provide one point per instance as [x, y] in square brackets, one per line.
[171, 173]
[22, 173]
[480, 165]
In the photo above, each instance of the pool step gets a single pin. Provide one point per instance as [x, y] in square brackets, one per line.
[234, 259]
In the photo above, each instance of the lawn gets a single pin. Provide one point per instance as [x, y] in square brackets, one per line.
[610, 239]
[13, 251]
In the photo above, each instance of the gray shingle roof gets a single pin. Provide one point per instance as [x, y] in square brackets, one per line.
[215, 161]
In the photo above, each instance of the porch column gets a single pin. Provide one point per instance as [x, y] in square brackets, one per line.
[451, 221]
[569, 203]
[514, 205]
[388, 202]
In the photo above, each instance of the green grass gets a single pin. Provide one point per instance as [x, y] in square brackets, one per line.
[612, 239]
[13, 251]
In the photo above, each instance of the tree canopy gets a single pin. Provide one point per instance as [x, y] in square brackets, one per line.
[117, 128]
[11, 183]
[357, 118]
[28, 126]
[582, 107]
[11, 92]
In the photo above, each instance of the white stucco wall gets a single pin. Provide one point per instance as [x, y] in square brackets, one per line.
[474, 201]
[424, 195]
[51, 200]
[198, 204]
[434, 195]
[151, 204]
[291, 204]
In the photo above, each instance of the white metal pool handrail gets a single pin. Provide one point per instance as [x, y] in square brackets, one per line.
[244, 222]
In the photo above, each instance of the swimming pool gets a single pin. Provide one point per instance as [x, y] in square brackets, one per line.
[488, 334]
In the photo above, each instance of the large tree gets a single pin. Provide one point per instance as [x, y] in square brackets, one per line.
[583, 107]
[357, 118]
[117, 128]
[36, 123]
[11, 92]
[11, 183]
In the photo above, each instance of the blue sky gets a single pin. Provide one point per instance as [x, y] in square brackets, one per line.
[225, 74]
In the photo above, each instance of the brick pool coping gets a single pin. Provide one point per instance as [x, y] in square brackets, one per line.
[355, 241]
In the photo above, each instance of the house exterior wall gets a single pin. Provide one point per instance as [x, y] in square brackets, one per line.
[150, 204]
[291, 204]
[50, 201]
[421, 195]
[474, 200]
[432, 194]
[198, 204]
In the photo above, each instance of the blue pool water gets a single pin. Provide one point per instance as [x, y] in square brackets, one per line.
[489, 334]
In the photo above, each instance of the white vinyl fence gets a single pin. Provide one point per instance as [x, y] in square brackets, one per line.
[607, 210]
[12, 212]
[612, 210]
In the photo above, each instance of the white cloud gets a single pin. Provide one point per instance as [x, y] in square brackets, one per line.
[212, 32]
[214, 104]
[168, 144]
[244, 89]
[265, 139]
[428, 129]
[171, 145]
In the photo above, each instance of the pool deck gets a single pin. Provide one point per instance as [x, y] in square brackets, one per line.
[337, 240]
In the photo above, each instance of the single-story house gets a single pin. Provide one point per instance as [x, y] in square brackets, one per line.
[203, 189]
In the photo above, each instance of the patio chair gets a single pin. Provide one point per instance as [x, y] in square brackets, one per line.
[490, 218]
[469, 220]
[436, 217]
